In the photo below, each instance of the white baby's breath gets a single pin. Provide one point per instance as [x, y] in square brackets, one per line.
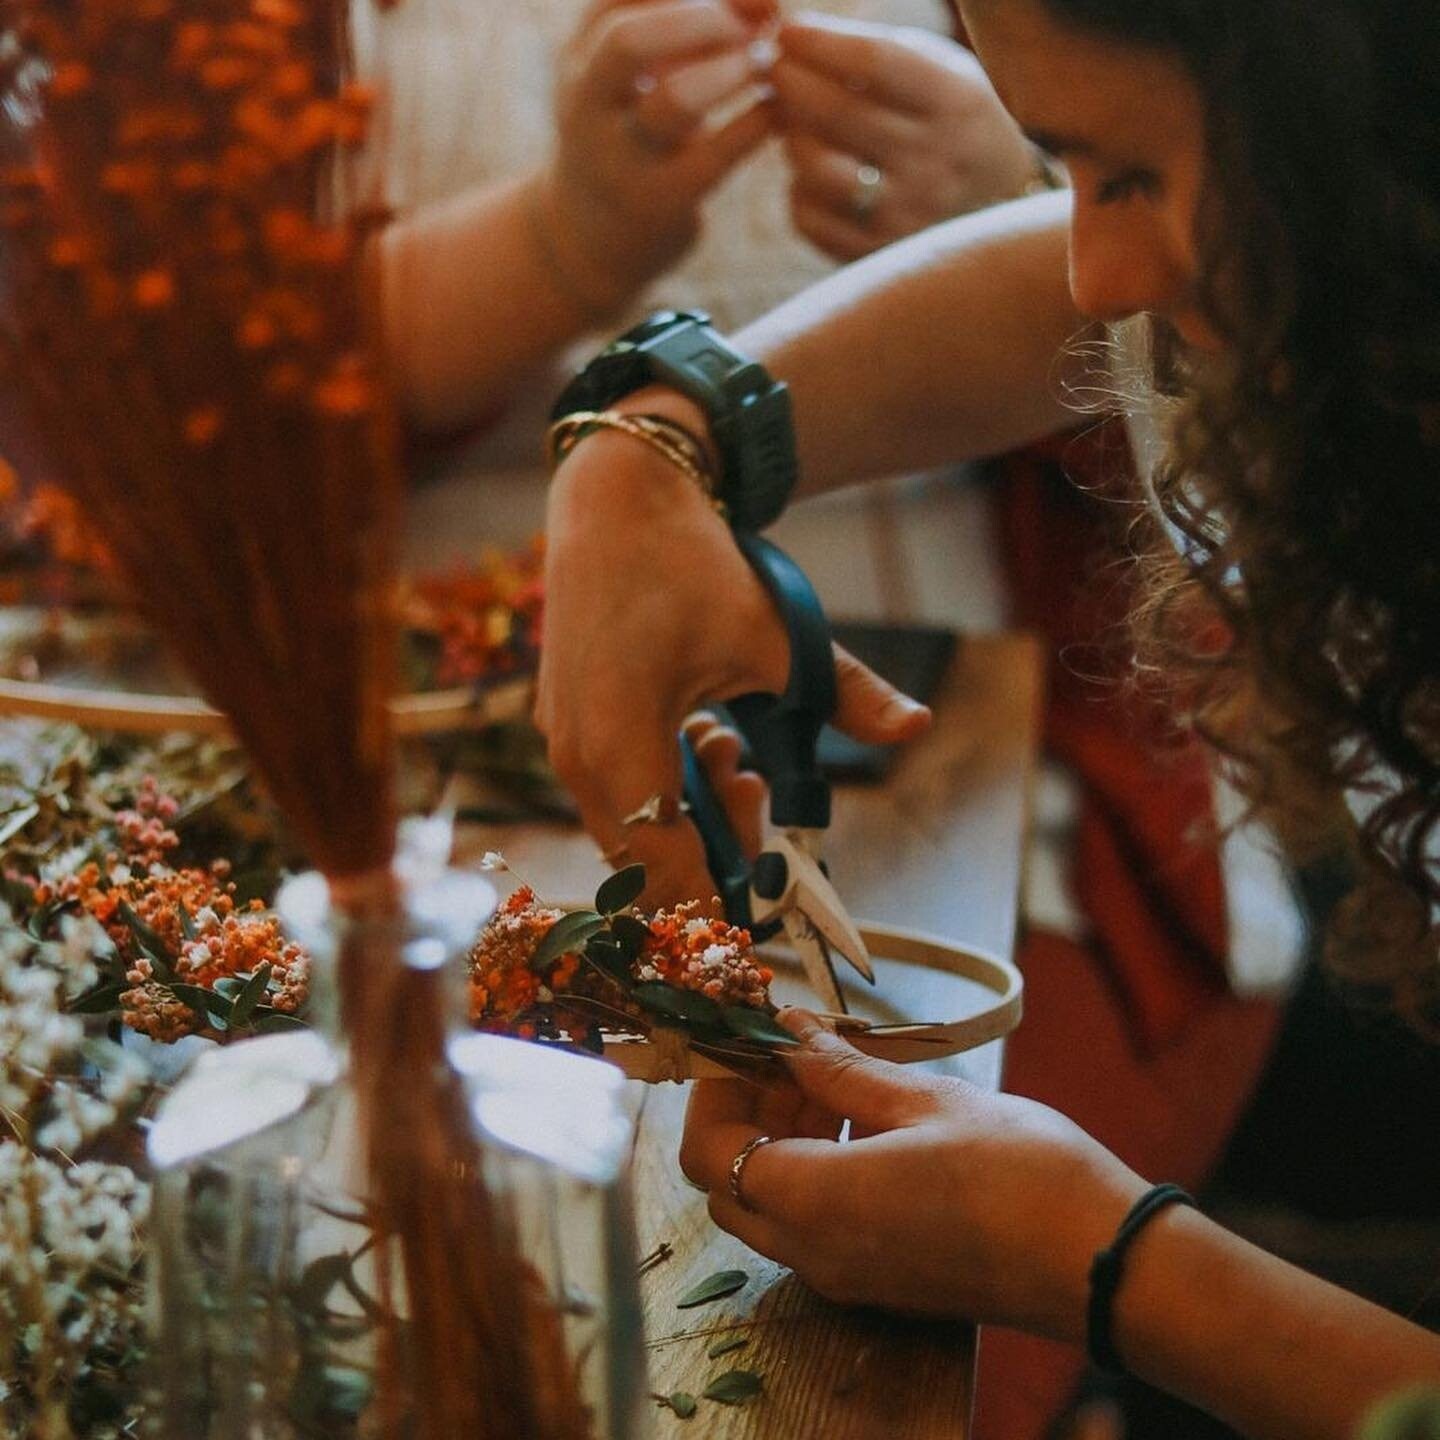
[71, 1232]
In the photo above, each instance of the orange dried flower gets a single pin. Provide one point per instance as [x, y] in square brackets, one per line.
[154, 289]
[201, 426]
[70, 79]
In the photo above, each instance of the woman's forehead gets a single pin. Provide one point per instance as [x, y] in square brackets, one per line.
[1075, 90]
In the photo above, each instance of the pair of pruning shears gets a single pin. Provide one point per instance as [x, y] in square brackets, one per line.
[786, 887]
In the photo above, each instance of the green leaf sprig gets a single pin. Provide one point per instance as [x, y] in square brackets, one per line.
[611, 939]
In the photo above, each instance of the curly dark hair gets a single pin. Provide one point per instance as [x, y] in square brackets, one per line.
[1305, 466]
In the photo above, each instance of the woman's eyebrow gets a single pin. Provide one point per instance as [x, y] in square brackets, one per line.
[1059, 145]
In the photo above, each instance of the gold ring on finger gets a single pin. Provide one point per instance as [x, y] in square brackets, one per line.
[656, 809]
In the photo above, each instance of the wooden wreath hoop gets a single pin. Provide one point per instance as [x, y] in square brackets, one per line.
[429, 713]
[670, 1056]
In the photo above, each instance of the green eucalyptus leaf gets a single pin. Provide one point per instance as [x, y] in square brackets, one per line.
[682, 1403]
[99, 1001]
[713, 1287]
[346, 1392]
[41, 920]
[242, 1011]
[229, 986]
[630, 933]
[275, 1022]
[567, 935]
[607, 957]
[187, 925]
[16, 821]
[734, 1387]
[312, 1290]
[149, 942]
[759, 1025]
[201, 1001]
[621, 890]
[689, 1006]
[726, 1344]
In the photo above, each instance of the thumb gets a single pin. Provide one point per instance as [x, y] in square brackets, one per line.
[869, 1092]
[873, 710]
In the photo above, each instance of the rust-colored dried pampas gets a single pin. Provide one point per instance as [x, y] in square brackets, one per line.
[184, 281]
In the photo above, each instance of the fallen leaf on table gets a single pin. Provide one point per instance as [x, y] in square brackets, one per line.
[734, 1387]
[713, 1287]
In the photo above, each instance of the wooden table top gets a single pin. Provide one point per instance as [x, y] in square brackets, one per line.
[937, 847]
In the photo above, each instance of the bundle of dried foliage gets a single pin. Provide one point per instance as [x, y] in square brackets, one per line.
[184, 278]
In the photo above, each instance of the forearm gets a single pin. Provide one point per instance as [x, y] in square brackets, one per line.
[950, 345]
[478, 291]
[1266, 1347]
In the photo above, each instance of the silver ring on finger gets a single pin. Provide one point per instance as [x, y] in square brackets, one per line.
[865, 193]
[737, 1169]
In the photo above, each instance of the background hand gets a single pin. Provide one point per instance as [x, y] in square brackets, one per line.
[913, 105]
[651, 611]
[634, 155]
[953, 1200]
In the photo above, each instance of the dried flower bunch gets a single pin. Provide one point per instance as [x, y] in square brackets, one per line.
[183, 319]
[481, 622]
[574, 977]
[186, 318]
[187, 960]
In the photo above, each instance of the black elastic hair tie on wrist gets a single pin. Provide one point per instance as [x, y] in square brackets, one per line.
[1107, 1269]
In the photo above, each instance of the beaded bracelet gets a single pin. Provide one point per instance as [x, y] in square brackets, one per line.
[668, 437]
[1107, 1270]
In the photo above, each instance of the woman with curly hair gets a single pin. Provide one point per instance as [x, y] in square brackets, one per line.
[1259, 180]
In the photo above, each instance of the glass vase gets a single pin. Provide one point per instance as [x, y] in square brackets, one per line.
[266, 1276]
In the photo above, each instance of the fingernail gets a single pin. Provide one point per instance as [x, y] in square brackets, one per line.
[800, 1023]
[902, 707]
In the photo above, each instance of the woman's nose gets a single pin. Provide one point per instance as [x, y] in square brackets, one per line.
[1126, 261]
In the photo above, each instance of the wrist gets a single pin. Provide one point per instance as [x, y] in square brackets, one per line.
[569, 258]
[612, 473]
[1100, 1202]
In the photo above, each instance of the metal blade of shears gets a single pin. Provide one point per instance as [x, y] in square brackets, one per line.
[791, 886]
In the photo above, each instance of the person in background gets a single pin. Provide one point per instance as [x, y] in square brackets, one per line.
[563, 167]
[1273, 209]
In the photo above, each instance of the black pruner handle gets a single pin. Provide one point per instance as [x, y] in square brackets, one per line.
[729, 865]
[782, 731]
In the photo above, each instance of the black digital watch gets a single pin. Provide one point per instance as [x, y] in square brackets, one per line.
[749, 412]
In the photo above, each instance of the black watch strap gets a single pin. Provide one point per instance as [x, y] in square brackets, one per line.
[749, 412]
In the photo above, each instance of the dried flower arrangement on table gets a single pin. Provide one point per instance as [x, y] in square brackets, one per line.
[187, 216]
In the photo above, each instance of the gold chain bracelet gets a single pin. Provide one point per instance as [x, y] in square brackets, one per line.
[665, 436]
